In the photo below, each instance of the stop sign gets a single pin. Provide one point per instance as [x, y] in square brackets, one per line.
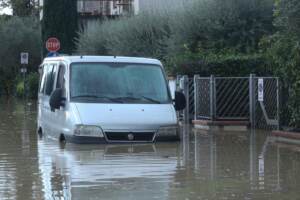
[53, 44]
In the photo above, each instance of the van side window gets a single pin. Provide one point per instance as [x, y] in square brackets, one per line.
[61, 76]
[50, 74]
[43, 78]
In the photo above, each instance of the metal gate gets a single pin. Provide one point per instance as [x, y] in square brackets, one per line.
[253, 99]
[266, 103]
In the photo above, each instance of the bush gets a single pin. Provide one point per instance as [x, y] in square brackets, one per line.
[200, 24]
[33, 85]
[20, 89]
[143, 35]
[221, 63]
[12, 42]
[282, 51]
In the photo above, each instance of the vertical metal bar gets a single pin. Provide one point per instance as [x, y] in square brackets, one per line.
[278, 103]
[252, 157]
[252, 99]
[187, 95]
[278, 187]
[196, 78]
[212, 156]
[197, 152]
[179, 88]
[186, 145]
[215, 98]
[211, 97]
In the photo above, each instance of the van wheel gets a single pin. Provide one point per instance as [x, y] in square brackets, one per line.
[62, 138]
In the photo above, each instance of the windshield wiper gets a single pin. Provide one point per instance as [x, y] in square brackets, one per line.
[85, 96]
[150, 99]
[98, 97]
[139, 98]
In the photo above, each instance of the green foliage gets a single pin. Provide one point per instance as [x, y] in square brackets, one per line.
[21, 8]
[33, 85]
[143, 35]
[12, 42]
[220, 37]
[60, 20]
[282, 51]
[20, 89]
[220, 63]
[197, 30]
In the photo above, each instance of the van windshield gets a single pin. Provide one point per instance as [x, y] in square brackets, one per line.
[118, 83]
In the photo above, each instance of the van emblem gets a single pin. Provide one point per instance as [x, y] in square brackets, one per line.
[130, 136]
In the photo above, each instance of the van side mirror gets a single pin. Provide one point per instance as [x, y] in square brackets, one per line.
[56, 99]
[180, 101]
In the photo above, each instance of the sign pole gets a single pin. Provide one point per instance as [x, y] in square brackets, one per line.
[24, 63]
[24, 84]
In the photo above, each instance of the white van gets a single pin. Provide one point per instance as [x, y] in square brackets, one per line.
[104, 99]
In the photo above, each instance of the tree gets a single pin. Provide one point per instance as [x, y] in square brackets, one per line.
[21, 8]
[283, 53]
[12, 43]
[60, 20]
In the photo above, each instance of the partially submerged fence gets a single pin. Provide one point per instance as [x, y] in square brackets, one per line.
[253, 99]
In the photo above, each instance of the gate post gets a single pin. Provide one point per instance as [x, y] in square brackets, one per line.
[278, 103]
[252, 100]
[196, 89]
[187, 95]
[212, 92]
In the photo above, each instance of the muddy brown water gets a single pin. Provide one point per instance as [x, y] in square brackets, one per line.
[203, 165]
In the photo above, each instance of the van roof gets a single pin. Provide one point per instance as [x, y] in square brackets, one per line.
[120, 59]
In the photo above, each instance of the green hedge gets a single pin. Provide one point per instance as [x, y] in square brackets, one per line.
[224, 63]
[31, 86]
[27, 38]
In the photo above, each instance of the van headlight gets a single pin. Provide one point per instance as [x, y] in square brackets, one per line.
[167, 131]
[88, 131]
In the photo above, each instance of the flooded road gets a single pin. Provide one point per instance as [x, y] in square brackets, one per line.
[203, 165]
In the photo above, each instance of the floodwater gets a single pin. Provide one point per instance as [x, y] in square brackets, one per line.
[203, 165]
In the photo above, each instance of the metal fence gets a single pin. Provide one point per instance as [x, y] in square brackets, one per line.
[221, 98]
[266, 111]
[232, 98]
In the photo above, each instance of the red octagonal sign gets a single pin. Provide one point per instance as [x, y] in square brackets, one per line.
[53, 44]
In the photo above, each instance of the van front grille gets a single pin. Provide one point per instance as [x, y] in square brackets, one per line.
[130, 136]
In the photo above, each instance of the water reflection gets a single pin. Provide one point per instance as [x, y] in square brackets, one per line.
[82, 171]
[19, 177]
[204, 165]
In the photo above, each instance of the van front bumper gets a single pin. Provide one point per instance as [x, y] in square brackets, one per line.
[124, 137]
[93, 140]
[95, 135]
[85, 139]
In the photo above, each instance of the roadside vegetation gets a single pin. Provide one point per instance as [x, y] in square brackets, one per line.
[25, 32]
[210, 36]
[18, 35]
